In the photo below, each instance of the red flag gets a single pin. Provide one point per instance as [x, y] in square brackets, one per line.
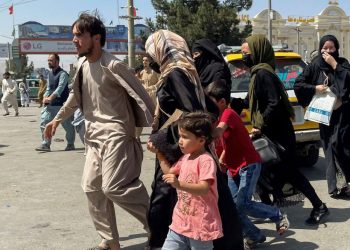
[134, 11]
[11, 10]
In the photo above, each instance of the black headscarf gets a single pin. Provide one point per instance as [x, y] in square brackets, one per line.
[321, 62]
[210, 65]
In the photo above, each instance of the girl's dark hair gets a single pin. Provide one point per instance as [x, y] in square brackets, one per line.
[92, 24]
[199, 123]
[218, 90]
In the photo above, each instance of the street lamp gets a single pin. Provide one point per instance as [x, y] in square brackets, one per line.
[269, 21]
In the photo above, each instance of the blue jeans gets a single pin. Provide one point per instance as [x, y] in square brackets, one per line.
[242, 188]
[175, 241]
[47, 114]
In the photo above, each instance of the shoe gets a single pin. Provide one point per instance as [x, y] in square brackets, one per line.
[43, 148]
[27, 105]
[283, 225]
[253, 243]
[6, 114]
[16, 114]
[317, 215]
[69, 147]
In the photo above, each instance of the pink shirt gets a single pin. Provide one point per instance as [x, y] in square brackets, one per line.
[197, 216]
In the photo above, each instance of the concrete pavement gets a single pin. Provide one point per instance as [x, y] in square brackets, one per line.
[42, 205]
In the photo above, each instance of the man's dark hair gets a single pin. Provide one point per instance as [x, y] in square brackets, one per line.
[218, 90]
[199, 123]
[56, 56]
[92, 24]
[6, 73]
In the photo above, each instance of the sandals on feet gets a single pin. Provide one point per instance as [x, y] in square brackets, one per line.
[283, 225]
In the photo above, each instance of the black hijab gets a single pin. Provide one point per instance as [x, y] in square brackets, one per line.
[210, 65]
[321, 62]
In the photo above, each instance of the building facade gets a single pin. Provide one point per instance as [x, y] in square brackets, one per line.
[303, 34]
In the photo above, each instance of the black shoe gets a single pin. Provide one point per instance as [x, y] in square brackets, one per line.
[43, 148]
[16, 114]
[254, 243]
[317, 215]
[69, 147]
[6, 114]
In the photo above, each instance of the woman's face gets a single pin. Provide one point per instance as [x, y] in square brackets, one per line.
[245, 49]
[328, 47]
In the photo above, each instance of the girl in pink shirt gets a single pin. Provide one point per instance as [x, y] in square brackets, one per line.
[196, 219]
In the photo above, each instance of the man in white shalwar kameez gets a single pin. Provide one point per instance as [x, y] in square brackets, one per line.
[9, 91]
[113, 103]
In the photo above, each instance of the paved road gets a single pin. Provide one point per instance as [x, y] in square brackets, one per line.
[43, 207]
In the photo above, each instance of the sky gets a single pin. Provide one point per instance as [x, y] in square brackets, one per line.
[65, 12]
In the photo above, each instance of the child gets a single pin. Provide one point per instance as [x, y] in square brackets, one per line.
[239, 156]
[196, 220]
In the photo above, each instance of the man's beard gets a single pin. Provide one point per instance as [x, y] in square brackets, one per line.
[87, 52]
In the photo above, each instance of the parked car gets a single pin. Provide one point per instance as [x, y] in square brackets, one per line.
[288, 66]
[33, 85]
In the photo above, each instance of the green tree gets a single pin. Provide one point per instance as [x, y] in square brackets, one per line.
[20, 66]
[195, 19]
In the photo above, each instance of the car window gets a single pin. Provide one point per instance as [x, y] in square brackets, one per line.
[33, 83]
[286, 69]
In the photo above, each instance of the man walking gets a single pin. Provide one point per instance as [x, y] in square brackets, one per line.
[9, 91]
[56, 94]
[113, 103]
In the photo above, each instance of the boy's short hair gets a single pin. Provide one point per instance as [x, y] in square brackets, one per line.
[218, 90]
[199, 123]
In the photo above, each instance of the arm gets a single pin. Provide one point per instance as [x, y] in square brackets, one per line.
[340, 86]
[179, 92]
[63, 81]
[304, 88]
[200, 188]
[15, 87]
[66, 111]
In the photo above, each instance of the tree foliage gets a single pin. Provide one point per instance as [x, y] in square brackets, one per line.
[20, 66]
[196, 19]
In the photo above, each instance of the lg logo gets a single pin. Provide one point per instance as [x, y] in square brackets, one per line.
[37, 46]
[32, 46]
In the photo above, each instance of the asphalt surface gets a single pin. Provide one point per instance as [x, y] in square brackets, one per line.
[42, 205]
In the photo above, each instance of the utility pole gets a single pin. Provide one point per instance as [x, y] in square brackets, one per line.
[269, 21]
[298, 39]
[131, 35]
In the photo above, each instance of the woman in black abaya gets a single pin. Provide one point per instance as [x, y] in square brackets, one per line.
[335, 137]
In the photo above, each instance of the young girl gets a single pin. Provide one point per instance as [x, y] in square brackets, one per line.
[196, 220]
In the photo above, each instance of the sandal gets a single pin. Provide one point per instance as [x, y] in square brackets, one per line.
[283, 225]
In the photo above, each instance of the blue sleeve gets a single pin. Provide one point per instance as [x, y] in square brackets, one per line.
[61, 84]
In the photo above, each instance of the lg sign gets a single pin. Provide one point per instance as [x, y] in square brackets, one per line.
[26, 46]
[31, 46]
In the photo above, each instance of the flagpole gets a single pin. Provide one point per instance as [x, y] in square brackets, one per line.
[13, 23]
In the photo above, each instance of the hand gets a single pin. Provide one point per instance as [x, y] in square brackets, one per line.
[151, 147]
[321, 89]
[47, 100]
[223, 167]
[329, 59]
[172, 180]
[50, 129]
[255, 132]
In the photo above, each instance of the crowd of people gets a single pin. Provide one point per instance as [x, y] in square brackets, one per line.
[206, 168]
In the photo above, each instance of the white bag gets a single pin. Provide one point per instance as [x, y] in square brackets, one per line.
[321, 107]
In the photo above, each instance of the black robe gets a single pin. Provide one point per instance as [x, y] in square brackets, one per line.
[335, 137]
[278, 126]
[178, 92]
